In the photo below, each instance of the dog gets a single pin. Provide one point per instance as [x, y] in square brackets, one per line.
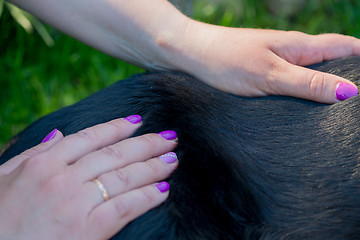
[271, 167]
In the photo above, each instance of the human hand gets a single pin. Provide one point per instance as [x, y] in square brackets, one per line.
[49, 192]
[246, 62]
[256, 62]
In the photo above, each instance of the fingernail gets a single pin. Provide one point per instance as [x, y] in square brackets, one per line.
[134, 119]
[162, 186]
[168, 135]
[50, 136]
[345, 91]
[169, 157]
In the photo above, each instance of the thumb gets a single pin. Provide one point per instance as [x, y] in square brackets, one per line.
[297, 81]
[53, 137]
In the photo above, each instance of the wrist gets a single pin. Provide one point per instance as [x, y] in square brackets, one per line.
[187, 48]
[169, 44]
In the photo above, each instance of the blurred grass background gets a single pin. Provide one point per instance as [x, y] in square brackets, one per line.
[36, 79]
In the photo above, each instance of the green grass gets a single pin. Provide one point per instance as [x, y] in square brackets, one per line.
[36, 79]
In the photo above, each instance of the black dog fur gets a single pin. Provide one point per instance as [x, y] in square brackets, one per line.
[250, 168]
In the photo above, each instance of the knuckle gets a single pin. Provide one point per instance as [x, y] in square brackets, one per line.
[272, 70]
[112, 151]
[148, 195]
[153, 166]
[121, 208]
[55, 181]
[299, 37]
[89, 135]
[297, 34]
[122, 177]
[353, 39]
[317, 85]
[327, 38]
[334, 36]
[49, 183]
[33, 151]
[148, 141]
[117, 125]
[33, 163]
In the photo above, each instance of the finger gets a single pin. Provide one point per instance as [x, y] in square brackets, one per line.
[318, 48]
[52, 138]
[122, 154]
[134, 176]
[333, 46]
[94, 138]
[110, 217]
[300, 82]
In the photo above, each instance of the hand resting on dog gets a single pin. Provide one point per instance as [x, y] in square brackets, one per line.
[50, 191]
[249, 168]
[246, 62]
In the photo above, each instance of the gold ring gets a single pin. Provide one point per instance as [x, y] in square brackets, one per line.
[102, 189]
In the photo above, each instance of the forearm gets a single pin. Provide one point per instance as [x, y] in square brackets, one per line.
[247, 62]
[137, 31]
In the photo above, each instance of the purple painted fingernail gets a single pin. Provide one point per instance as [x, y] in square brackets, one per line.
[134, 119]
[168, 135]
[50, 136]
[169, 157]
[162, 186]
[345, 91]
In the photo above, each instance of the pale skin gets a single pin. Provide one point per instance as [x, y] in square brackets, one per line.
[48, 193]
[246, 62]
[63, 203]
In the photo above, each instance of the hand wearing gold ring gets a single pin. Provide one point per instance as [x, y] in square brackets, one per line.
[102, 189]
[88, 185]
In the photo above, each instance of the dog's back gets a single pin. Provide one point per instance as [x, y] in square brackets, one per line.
[250, 168]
